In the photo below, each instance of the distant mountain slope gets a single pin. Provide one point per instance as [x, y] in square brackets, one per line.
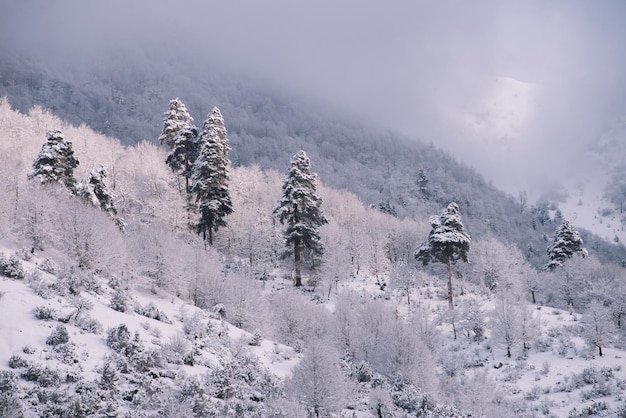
[126, 98]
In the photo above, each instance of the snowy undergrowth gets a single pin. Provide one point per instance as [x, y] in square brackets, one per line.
[557, 375]
[77, 351]
[70, 353]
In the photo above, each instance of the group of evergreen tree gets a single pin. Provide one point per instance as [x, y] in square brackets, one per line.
[202, 160]
[448, 242]
[55, 164]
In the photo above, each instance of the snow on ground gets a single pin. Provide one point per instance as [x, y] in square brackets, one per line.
[582, 207]
[548, 374]
[19, 327]
[551, 374]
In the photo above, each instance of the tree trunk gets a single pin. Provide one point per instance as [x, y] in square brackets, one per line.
[379, 411]
[508, 351]
[599, 349]
[188, 208]
[532, 293]
[210, 237]
[297, 257]
[296, 249]
[17, 200]
[450, 301]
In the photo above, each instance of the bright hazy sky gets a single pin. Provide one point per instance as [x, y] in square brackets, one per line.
[514, 88]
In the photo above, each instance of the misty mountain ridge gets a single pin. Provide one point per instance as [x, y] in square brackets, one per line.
[126, 100]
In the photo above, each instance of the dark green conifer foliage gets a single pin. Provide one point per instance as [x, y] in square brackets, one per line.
[210, 178]
[566, 243]
[300, 209]
[447, 243]
[55, 163]
[174, 120]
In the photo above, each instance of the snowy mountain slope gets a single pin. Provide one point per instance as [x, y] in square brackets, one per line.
[178, 340]
[559, 373]
[584, 206]
[584, 198]
[180, 330]
[265, 128]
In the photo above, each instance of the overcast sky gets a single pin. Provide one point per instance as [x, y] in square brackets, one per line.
[514, 88]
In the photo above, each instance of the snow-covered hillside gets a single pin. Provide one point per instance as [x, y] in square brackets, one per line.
[584, 206]
[149, 321]
[584, 198]
[142, 336]
[163, 355]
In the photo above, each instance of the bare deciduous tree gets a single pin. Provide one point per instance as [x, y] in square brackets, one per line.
[598, 327]
[318, 382]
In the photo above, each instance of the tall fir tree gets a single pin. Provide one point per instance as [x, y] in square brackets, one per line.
[566, 243]
[181, 136]
[210, 177]
[447, 243]
[174, 120]
[300, 208]
[185, 149]
[55, 163]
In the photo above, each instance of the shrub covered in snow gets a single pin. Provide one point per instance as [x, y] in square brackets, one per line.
[242, 377]
[45, 313]
[256, 338]
[66, 353]
[10, 403]
[119, 340]
[119, 300]
[74, 280]
[44, 376]
[49, 266]
[17, 362]
[58, 336]
[151, 311]
[11, 267]
[195, 327]
[88, 324]
[178, 351]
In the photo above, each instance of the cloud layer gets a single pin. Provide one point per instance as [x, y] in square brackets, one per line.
[431, 70]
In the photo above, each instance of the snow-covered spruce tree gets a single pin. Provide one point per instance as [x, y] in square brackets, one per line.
[210, 176]
[174, 120]
[566, 243]
[301, 209]
[185, 148]
[55, 163]
[447, 243]
[94, 190]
